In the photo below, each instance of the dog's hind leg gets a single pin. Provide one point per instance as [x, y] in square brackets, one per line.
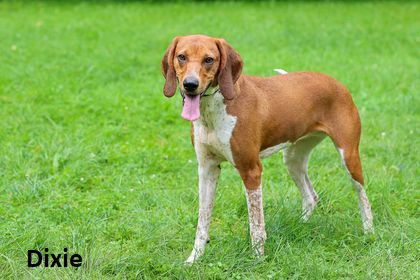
[349, 152]
[296, 158]
[346, 137]
[208, 172]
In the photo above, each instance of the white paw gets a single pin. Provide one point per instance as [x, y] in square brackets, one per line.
[368, 228]
[189, 261]
[305, 217]
[193, 257]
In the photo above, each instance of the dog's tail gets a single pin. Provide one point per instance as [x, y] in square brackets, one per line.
[280, 71]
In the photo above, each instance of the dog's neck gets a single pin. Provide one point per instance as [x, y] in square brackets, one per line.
[212, 107]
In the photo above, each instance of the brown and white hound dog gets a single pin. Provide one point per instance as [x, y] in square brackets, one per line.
[242, 119]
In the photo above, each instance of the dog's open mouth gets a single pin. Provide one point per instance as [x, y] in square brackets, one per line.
[191, 108]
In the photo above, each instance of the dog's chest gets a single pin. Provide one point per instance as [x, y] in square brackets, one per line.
[214, 128]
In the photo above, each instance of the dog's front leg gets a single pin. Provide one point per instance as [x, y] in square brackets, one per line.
[252, 180]
[256, 219]
[208, 172]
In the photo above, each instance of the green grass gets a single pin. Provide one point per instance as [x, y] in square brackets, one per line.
[95, 159]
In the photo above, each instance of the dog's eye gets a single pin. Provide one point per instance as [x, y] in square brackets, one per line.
[209, 60]
[181, 57]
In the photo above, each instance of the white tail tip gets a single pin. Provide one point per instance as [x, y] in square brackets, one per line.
[280, 71]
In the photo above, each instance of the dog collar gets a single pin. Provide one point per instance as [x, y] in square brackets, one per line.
[213, 93]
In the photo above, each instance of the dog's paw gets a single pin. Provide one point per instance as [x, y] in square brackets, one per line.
[189, 261]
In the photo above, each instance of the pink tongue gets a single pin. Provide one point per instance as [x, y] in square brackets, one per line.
[191, 109]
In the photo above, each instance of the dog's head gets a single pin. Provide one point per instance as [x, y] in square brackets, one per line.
[198, 63]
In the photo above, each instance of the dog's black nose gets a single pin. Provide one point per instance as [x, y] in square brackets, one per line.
[190, 83]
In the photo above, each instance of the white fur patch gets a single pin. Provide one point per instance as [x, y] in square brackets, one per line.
[215, 126]
[256, 219]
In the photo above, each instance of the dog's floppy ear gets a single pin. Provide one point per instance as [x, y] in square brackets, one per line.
[230, 69]
[168, 69]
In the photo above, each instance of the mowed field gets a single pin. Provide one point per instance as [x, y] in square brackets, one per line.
[95, 159]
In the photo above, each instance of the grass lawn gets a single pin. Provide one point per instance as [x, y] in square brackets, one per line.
[94, 158]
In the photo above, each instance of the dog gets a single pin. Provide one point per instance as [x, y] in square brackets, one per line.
[243, 119]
